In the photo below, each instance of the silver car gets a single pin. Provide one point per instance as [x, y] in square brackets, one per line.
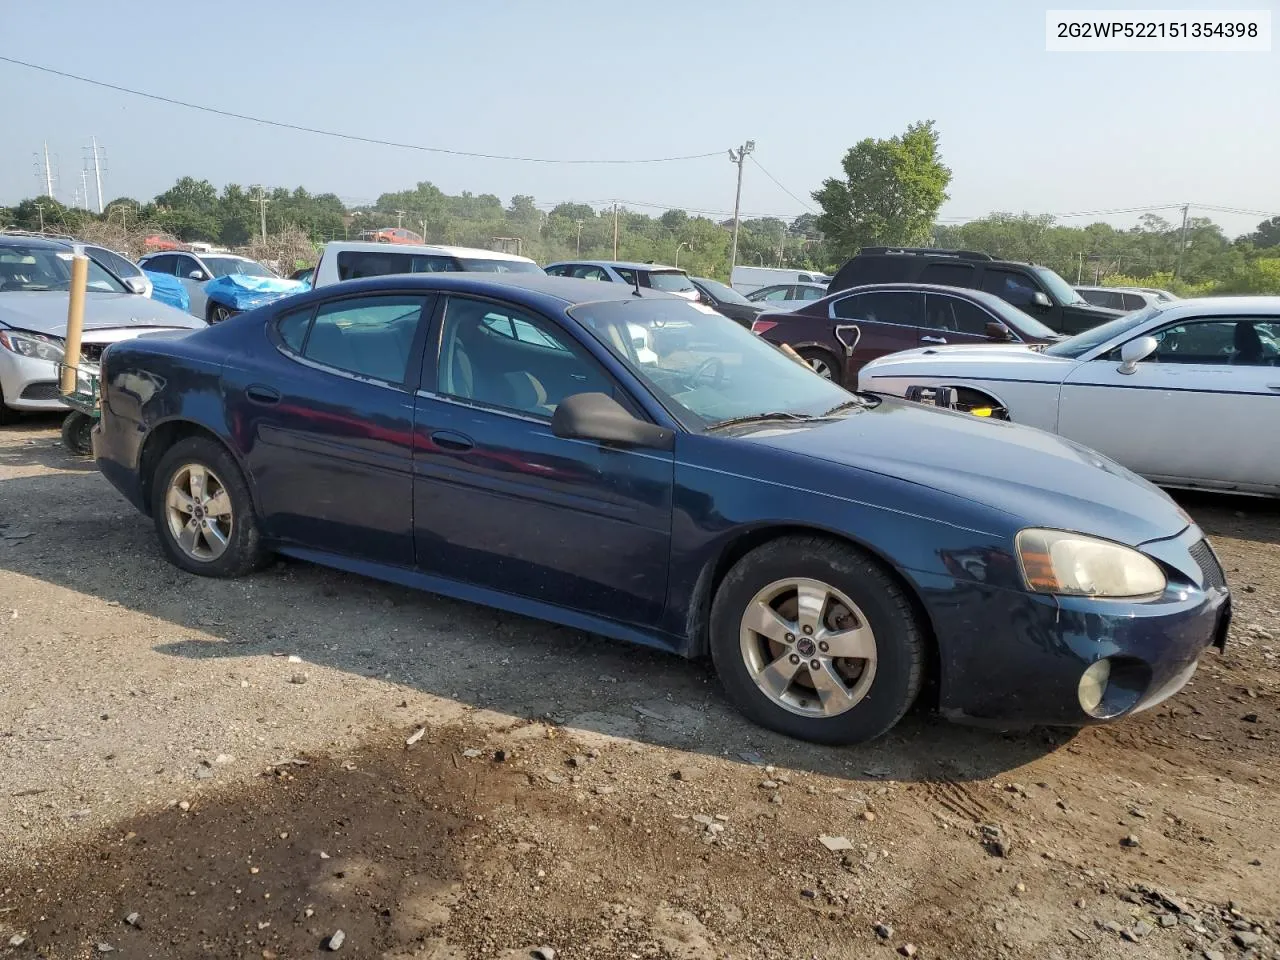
[194, 270]
[35, 276]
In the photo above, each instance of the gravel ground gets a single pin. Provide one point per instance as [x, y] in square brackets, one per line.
[195, 768]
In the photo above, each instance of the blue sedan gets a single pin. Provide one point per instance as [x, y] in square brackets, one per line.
[635, 465]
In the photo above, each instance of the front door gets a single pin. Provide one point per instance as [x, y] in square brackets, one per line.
[503, 503]
[326, 425]
[871, 325]
[954, 320]
[184, 267]
[1203, 407]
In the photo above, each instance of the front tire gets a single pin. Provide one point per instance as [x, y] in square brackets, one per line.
[217, 312]
[77, 433]
[813, 639]
[203, 512]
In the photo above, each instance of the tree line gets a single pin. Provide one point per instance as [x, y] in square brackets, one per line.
[888, 192]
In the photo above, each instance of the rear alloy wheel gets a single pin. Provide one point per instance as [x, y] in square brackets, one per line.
[203, 512]
[811, 638]
[820, 362]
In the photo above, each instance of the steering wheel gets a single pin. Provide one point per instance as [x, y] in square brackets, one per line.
[707, 365]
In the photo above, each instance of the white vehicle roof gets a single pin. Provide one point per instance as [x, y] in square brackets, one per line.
[472, 253]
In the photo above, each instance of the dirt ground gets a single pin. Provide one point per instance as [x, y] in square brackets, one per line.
[196, 768]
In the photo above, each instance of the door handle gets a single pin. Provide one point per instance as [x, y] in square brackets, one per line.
[933, 339]
[448, 440]
[266, 396]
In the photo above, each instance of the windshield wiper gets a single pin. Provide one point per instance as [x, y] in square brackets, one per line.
[848, 404]
[758, 417]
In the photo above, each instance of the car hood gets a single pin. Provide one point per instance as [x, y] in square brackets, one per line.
[45, 311]
[1037, 477]
[972, 360]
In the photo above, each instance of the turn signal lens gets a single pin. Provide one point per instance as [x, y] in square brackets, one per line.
[763, 326]
[1071, 564]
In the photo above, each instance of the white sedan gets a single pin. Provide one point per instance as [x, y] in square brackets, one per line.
[1186, 393]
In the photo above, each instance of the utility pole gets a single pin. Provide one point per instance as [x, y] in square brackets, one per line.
[740, 158]
[782, 244]
[97, 170]
[424, 230]
[1079, 266]
[615, 231]
[262, 201]
[48, 177]
[682, 243]
[40, 207]
[399, 219]
[1182, 244]
[577, 249]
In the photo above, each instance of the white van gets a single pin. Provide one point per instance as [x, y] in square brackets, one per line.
[350, 260]
[747, 279]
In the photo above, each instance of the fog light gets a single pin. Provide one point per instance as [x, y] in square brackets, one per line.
[1093, 686]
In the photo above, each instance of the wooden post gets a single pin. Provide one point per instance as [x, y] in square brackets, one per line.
[75, 322]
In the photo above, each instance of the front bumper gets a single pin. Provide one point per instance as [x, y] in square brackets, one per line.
[28, 383]
[1015, 658]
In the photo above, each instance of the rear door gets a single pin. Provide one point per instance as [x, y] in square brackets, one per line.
[1203, 407]
[875, 324]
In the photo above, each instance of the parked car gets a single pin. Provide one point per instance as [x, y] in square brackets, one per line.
[727, 300]
[35, 275]
[1184, 393]
[304, 275]
[838, 334]
[1033, 289]
[652, 275]
[787, 296]
[748, 279]
[1118, 298]
[1164, 296]
[501, 440]
[353, 260]
[195, 270]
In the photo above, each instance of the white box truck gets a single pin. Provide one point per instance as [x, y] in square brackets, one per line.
[747, 279]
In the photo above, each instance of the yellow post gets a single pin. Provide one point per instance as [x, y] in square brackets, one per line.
[75, 322]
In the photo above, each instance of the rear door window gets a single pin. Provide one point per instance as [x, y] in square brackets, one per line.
[670, 281]
[354, 264]
[1133, 301]
[368, 336]
[165, 263]
[948, 274]
[901, 308]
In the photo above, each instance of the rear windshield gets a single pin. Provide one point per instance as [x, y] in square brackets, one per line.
[670, 280]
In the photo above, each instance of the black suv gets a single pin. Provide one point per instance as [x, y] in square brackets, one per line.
[1037, 290]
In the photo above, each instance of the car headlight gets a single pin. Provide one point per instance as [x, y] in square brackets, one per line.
[1054, 561]
[34, 345]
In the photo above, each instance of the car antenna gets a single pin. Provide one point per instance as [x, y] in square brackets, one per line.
[635, 275]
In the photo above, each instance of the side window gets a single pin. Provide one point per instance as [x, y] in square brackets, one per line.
[161, 264]
[368, 336]
[117, 264]
[185, 266]
[956, 315]
[588, 272]
[292, 329]
[778, 294]
[1242, 342]
[628, 276]
[811, 293]
[900, 308]
[355, 264]
[1015, 288]
[1133, 301]
[504, 358]
[557, 271]
[948, 274]
[850, 308]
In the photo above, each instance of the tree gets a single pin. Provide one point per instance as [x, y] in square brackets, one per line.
[190, 194]
[890, 193]
[573, 211]
[1267, 234]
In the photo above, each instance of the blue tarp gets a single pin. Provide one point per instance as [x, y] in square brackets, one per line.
[166, 288]
[244, 293]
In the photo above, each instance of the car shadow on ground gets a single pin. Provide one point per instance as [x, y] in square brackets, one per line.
[1243, 518]
[81, 535]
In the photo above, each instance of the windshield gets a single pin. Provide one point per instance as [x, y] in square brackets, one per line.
[501, 266]
[1082, 343]
[223, 266]
[671, 281]
[705, 368]
[725, 293]
[1062, 291]
[45, 268]
[1021, 321]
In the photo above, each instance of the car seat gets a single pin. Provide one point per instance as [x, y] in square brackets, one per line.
[1248, 345]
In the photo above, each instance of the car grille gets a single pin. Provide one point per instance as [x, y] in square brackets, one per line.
[1209, 566]
[41, 390]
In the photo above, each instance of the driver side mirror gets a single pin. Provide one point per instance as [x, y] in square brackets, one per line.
[598, 417]
[1041, 300]
[136, 285]
[197, 275]
[998, 331]
[1135, 351]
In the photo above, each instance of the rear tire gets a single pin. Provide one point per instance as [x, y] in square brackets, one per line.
[821, 362]
[77, 433]
[813, 639]
[203, 512]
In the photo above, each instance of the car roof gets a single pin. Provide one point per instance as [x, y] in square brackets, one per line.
[31, 240]
[473, 252]
[624, 264]
[1222, 306]
[569, 291]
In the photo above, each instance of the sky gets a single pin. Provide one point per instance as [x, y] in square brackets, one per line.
[1022, 129]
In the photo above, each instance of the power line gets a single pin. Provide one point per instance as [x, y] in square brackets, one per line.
[781, 187]
[344, 136]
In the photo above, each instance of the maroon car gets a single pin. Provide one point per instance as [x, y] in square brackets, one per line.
[839, 333]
